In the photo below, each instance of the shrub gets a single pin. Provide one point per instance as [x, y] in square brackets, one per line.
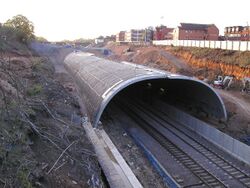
[36, 89]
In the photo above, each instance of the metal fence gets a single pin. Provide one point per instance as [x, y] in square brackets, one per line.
[226, 45]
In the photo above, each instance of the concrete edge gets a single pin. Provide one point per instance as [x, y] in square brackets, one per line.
[122, 163]
[116, 170]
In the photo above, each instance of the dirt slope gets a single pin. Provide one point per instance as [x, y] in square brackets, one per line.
[41, 141]
[223, 62]
[149, 56]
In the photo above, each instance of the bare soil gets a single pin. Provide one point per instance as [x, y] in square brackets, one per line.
[41, 141]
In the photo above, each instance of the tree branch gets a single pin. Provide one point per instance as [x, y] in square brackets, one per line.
[60, 156]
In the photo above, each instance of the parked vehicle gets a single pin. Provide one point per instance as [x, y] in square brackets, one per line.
[246, 84]
[223, 83]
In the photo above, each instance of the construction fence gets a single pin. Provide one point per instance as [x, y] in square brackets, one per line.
[226, 45]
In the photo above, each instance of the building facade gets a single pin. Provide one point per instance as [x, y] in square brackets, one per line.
[134, 35]
[99, 40]
[120, 37]
[163, 33]
[190, 31]
[245, 34]
[139, 35]
[237, 33]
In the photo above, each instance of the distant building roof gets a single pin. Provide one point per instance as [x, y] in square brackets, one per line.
[192, 26]
[235, 26]
[100, 37]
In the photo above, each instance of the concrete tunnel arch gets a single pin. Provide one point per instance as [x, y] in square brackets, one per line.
[100, 80]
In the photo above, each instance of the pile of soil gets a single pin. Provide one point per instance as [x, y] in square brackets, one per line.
[144, 55]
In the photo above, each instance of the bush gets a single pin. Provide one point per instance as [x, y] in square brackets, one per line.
[36, 89]
[23, 178]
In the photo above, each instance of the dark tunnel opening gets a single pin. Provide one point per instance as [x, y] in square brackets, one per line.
[102, 82]
[190, 96]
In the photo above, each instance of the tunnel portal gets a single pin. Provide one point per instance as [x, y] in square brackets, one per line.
[100, 80]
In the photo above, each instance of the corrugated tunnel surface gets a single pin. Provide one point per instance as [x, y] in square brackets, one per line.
[100, 80]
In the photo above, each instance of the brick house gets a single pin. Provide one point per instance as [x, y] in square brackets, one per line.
[163, 33]
[120, 37]
[233, 33]
[245, 34]
[190, 31]
[237, 33]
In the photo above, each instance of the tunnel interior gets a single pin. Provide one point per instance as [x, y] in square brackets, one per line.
[190, 96]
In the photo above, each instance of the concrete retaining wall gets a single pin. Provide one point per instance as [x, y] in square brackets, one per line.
[222, 140]
[226, 45]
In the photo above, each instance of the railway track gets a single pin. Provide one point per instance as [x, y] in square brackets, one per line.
[231, 175]
[227, 166]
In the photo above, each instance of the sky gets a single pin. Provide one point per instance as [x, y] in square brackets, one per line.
[72, 19]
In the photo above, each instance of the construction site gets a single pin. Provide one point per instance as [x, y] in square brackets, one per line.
[131, 113]
[161, 116]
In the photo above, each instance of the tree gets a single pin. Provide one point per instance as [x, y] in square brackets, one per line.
[41, 39]
[23, 26]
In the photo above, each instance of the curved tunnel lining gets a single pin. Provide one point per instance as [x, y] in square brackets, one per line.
[121, 86]
[109, 96]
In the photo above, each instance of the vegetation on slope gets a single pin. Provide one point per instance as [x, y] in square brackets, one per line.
[16, 34]
[41, 141]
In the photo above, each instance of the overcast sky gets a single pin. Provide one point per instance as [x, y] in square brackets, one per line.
[72, 19]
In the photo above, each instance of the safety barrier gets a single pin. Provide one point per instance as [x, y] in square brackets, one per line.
[226, 45]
